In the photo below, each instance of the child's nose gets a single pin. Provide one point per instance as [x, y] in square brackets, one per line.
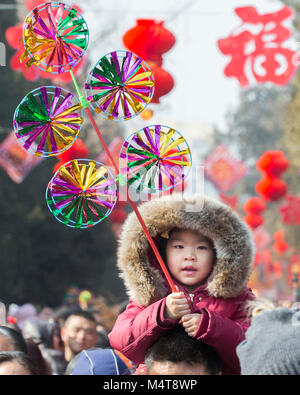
[190, 257]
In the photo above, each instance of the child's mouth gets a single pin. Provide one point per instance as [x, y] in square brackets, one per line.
[189, 270]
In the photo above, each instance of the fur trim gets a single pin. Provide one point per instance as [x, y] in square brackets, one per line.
[231, 236]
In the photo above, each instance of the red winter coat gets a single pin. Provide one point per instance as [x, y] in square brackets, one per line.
[223, 325]
[221, 300]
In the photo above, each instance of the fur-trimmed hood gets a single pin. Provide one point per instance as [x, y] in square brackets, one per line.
[144, 280]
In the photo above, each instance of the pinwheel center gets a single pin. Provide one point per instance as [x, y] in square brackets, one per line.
[121, 85]
[159, 159]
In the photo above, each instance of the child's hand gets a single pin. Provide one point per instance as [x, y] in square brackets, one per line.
[191, 322]
[176, 306]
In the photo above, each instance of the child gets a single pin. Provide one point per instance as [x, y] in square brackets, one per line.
[209, 252]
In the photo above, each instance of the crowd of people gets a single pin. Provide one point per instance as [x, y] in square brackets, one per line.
[206, 322]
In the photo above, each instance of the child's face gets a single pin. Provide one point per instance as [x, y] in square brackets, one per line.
[189, 258]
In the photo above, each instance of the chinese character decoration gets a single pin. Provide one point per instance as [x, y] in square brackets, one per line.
[290, 210]
[256, 48]
[223, 169]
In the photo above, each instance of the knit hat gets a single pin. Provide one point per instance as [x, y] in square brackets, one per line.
[100, 362]
[272, 344]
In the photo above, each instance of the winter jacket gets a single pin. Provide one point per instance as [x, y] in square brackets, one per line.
[221, 300]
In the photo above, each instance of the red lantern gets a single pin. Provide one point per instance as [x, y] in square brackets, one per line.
[13, 36]
[77, 151]
[149, 39]
[164, 83]
[280, 245]
[271, 188]
[273, 163]
[254, 205]
[253, 220]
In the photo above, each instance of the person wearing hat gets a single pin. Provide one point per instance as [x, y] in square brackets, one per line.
[272, 345]
[209, 252]
[99, 361]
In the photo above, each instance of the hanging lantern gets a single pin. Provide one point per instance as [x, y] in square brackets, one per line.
[164, 83]
[280, 245]
[254, 205]
[253, 220]
[270, 188]
[273, 163]
[76, 151]
[149, 39]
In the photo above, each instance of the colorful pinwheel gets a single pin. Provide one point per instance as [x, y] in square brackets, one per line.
[48, 120]
[55, 37]
[153, 155]
[120, 85]
[81, 193]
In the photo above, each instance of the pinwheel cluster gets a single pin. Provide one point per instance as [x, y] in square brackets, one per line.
[48, 120]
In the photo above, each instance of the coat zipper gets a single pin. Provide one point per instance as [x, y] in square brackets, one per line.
[192, 297]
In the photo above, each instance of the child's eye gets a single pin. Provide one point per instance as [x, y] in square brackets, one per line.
[202, 247]
[179, 246]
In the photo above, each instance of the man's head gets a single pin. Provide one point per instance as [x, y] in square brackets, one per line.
[176, 353]
[78, 333]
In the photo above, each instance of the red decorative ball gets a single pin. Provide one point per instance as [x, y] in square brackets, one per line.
[271, 188]
[273, 163]
[164, 83]
[254, 205]
[77, 151]
[253, 220]
[149, 39]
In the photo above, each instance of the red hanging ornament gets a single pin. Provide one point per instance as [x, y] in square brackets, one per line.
[280, 245]
[254, 205]
[273, 163]
[77, 151]
[290, 210]
[149, 39]
[223, 169]
[164, 83]
[258, 44]
[253, 220]
[270, 188]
